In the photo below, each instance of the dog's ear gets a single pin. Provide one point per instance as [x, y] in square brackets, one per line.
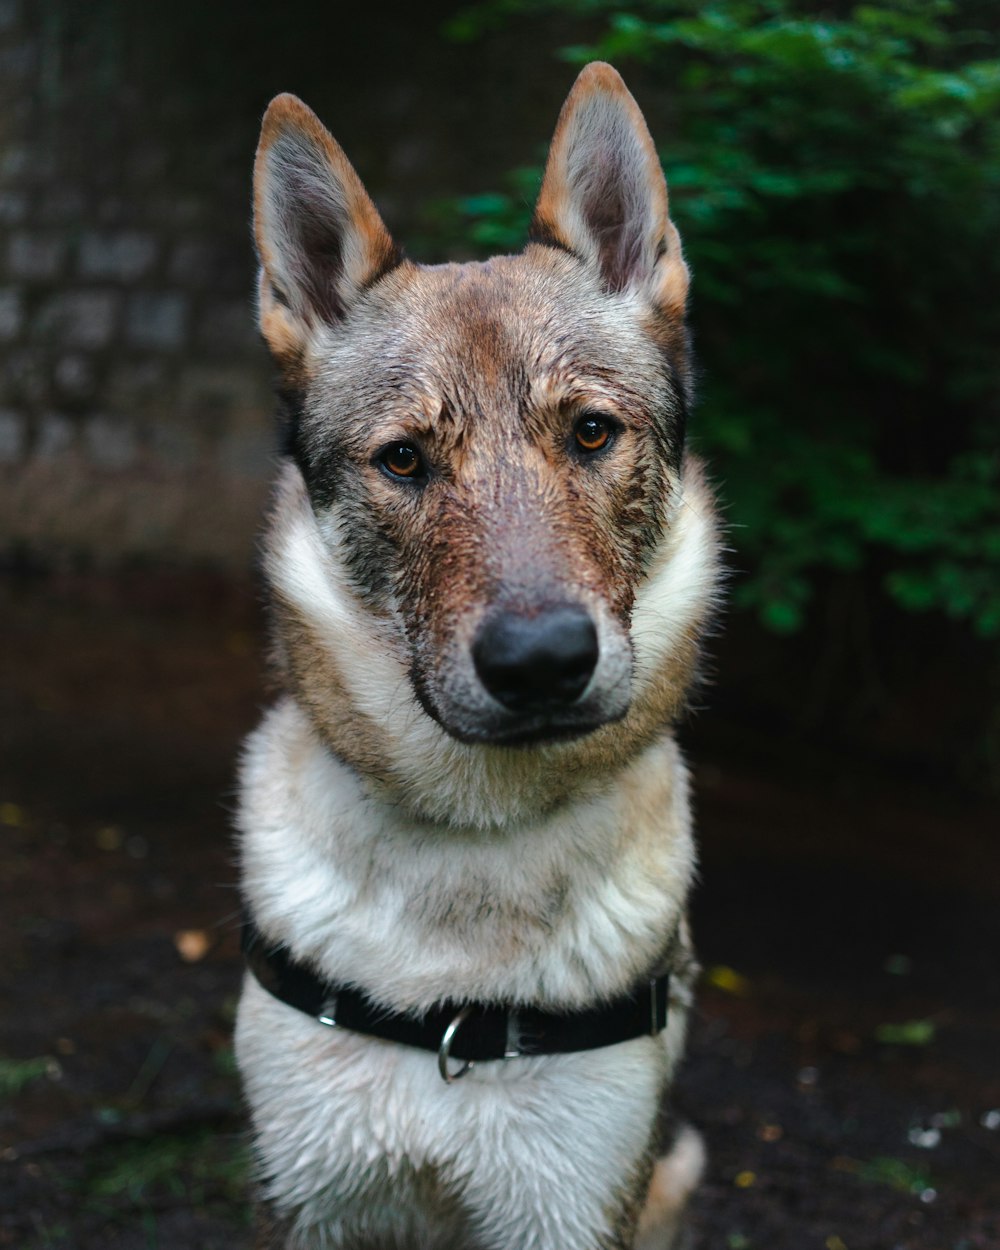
[604, 196]
[319, 237]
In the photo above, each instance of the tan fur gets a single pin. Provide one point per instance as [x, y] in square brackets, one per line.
[404, 827]
[674, 1178]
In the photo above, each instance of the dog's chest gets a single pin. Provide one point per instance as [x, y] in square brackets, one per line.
[362, 1136]
[577, 907]
[574, 908]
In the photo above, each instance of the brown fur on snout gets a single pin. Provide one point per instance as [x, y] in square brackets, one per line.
[512, 509]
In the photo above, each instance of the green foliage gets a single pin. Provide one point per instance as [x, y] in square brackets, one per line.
[15, 1074]
[835, 176]
[201, 1167]
[896, 1174]
[907, 1033]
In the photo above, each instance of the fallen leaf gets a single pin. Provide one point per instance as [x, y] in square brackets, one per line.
[727, 979]
[192, 944]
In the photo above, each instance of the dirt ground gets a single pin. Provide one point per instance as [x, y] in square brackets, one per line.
[844, 1064]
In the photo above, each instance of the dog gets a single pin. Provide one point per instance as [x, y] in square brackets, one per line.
[465, 837]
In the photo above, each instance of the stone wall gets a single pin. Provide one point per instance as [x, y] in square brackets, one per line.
[135, 407]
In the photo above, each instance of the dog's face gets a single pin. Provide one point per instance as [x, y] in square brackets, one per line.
[491, 451]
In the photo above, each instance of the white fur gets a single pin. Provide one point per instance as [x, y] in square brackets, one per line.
[359, 886]
[529, 1143]
[681, 589]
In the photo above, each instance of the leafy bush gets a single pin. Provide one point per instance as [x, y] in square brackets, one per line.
[835, 176]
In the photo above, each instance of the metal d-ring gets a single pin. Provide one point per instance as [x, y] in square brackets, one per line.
[444, 1050]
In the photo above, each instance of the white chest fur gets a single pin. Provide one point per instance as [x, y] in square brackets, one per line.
[573, 908]
[362, 1136]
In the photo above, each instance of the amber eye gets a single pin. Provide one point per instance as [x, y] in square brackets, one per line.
[401, 460]
[592, 433]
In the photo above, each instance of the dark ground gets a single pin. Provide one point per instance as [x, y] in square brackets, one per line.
[836, 902]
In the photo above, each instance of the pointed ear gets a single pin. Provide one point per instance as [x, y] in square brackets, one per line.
[319, 237]
[604, 196]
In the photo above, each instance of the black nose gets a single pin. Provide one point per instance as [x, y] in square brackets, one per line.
[532, 662]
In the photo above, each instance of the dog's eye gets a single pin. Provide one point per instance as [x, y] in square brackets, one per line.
[401, 460]
[592, 433]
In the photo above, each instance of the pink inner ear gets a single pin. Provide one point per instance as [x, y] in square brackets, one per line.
[603, 196]
[311, 230]
[612, 206]
[321, 239]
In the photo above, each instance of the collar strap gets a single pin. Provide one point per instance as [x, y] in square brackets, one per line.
[472, 1032]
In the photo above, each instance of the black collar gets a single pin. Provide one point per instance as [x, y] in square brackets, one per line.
[472, 1032]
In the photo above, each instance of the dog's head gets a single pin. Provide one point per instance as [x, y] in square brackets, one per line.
[492, 453]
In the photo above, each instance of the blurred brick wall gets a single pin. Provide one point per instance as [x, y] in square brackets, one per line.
[134, 399]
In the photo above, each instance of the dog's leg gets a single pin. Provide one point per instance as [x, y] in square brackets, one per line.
[568, 1193]
[675, 1177]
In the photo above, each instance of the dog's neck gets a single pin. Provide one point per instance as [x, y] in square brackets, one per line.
[399, 905]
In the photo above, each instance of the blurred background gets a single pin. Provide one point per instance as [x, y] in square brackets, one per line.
[835, 174]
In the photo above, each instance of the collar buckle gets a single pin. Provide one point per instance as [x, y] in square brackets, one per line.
[444, 1050]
